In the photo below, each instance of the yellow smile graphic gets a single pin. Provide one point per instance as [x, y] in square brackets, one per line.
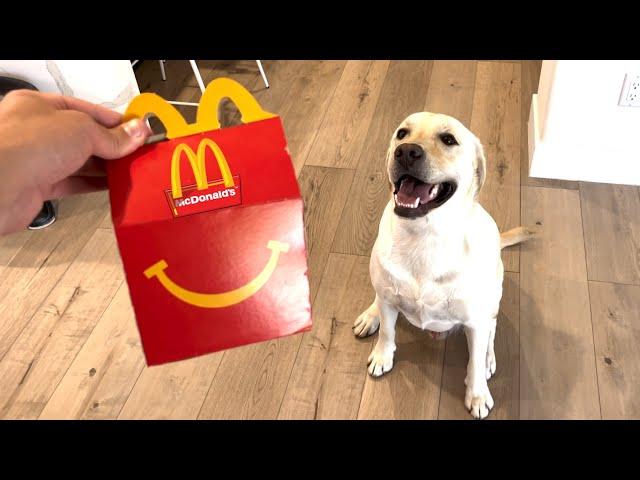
[219, 300]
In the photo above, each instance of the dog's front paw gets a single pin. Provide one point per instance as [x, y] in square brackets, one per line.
[478, 403]
[367, 323]
[380, 361]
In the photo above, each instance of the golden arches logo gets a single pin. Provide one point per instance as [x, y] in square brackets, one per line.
[198, 165]
[218, 300]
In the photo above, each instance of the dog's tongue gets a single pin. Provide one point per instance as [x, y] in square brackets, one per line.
[411, 188]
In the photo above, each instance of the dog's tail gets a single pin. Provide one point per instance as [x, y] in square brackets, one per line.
[515, 236]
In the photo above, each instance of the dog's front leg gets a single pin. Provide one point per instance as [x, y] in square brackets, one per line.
[368, 321]
[478, 398]
[381, 358]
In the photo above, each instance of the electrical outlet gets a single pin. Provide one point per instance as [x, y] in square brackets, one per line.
[630, 95]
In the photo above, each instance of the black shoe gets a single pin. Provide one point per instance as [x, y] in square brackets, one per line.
[45, 218]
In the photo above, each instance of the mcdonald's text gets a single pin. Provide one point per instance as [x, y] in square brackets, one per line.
[214, 197]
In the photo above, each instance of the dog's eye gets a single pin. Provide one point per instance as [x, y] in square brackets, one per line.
[448, 139]
[403, 132]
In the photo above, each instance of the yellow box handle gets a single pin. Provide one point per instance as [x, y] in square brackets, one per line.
[207, 115]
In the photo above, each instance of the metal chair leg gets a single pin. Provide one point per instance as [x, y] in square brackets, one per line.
[264, 76]
[162, 72]
[196, 72]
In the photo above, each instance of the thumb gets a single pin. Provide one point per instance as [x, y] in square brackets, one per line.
[112, 143]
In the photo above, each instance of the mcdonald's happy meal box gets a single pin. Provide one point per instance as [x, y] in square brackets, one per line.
[210, 229]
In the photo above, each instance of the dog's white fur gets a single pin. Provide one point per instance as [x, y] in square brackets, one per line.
[442, 269]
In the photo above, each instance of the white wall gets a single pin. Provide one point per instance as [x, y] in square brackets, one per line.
[111, 83]
[577, 130]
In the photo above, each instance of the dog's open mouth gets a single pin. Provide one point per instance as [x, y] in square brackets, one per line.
[415, 198]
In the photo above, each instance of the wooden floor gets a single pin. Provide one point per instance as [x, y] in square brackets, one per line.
[568, 328]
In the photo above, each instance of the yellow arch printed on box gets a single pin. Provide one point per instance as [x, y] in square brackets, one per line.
[218, 300]
[198, 165]
[207, 116]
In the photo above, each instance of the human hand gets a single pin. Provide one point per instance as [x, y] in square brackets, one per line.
[53, 146]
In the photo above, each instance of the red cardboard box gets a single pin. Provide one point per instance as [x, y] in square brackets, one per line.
[210, 230]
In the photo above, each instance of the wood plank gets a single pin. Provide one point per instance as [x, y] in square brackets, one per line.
[557, 365]
[505, 383]
[287, 80]
[615, 310]
[42, 261]
[344, 128]
[106, 222]
[179, 75]
[403, 93]
[303, 113]
[174, 391]
[530, 77]
[39, 358]
[330, 371]
[611, 232]
[250, 383]
[10, 245]
[451, 87]
[325, 192]
[100, 379]
[495, 120]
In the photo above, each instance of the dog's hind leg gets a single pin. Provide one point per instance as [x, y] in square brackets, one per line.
[491, 354]
[368, 321]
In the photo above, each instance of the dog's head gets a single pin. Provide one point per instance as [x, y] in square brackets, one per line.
[431, 158]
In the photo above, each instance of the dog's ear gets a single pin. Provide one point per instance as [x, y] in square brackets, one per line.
[479, 168]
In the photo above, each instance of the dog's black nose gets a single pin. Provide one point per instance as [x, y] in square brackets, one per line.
[408, 154]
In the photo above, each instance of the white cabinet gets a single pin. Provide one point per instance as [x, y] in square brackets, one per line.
[578, 130]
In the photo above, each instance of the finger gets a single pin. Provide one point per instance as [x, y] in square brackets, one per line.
[104, 116]
[95, 167]
[76, 185]
[111, 143]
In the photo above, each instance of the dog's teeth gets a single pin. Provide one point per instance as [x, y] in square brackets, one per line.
[434, 192]
[407, 205]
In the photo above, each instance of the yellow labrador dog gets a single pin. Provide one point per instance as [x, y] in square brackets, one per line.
[437, 255]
